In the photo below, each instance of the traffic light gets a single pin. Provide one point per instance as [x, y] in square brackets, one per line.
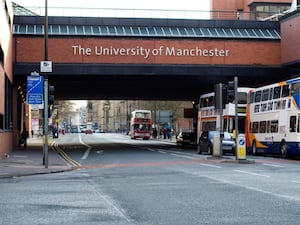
[51, 90]
[220, 96]
[230, 92]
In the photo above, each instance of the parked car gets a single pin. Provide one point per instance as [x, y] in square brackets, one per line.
[88, 131]
[205, 143]
[186, 139]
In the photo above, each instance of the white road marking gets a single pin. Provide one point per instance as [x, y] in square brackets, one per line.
[251, 173]
[162, 152]
[210, 165]
[183, 156]
[87, 152]
[296, 181]
[273, 165]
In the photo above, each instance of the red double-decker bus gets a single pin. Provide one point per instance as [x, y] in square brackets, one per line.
[140, 124]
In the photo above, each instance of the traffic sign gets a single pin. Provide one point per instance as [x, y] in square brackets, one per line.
[35, 88]
[46, 66]
[35, 99]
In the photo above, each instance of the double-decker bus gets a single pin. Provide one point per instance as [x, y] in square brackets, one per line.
[140, 124]
[208, 114]
[273, 119]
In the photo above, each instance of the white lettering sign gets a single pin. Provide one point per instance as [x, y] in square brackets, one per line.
[141, 51]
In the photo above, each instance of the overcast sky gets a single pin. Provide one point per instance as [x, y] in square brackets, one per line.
[186, 9]
[139, 4]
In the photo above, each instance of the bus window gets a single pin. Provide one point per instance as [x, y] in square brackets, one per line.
[274, 126]
[265, 95]
[298, 127]
[255, 127]
[271, 94]
[293, 124]
[252, 97]
[257, 96]
[242, 98]
[285, 91]
[295, 89]
[276, 92]
[262, 127]
[207, 101]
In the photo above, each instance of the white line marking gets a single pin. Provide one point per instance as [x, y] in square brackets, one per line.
[273, 165]
[251, 173]
[296, 181]
[162, 152]
[183, 156]
[209, 165]
[87, 152]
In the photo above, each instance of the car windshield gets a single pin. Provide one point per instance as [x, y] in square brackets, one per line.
[212, 134]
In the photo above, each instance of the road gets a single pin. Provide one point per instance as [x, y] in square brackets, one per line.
[124, 181]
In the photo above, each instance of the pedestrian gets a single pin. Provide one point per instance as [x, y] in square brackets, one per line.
[154, 133]
[24, 136]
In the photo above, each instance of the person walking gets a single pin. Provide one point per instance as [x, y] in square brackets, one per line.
[24, 136]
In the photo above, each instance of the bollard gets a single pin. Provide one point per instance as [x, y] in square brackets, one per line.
[241, 147]
[216, 146]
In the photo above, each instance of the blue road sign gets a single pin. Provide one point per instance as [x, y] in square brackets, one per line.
[35, 84]
[35, 89]
[35, 99]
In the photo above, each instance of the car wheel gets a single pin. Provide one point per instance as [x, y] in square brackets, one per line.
[254, 149]
[283, 150]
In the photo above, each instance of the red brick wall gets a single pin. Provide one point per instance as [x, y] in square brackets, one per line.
[241, 52]
[290, 35]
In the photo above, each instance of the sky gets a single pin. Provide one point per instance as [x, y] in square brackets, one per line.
[186, 5]
[139, 4]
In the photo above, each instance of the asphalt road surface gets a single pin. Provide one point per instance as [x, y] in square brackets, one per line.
[119, 181]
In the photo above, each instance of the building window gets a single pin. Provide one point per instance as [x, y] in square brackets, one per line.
[8, 104]
[1, 57]
[260, 11]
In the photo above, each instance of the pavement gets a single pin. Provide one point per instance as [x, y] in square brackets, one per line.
[29, 161]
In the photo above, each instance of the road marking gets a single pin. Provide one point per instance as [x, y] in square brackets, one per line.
[87, 152]
[20, 156]
[183, 156]
[251, 173]
[64, 155]
[210, 165]
[162, 152]
[273, 165]
[296, 181]
[290, 198]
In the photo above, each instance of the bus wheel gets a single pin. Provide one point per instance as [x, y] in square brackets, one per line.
[254, 149]
[283, 150]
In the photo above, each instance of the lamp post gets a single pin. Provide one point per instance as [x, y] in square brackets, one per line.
[45, 157]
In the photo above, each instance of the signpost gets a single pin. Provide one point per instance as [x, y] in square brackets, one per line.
[35, 88]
